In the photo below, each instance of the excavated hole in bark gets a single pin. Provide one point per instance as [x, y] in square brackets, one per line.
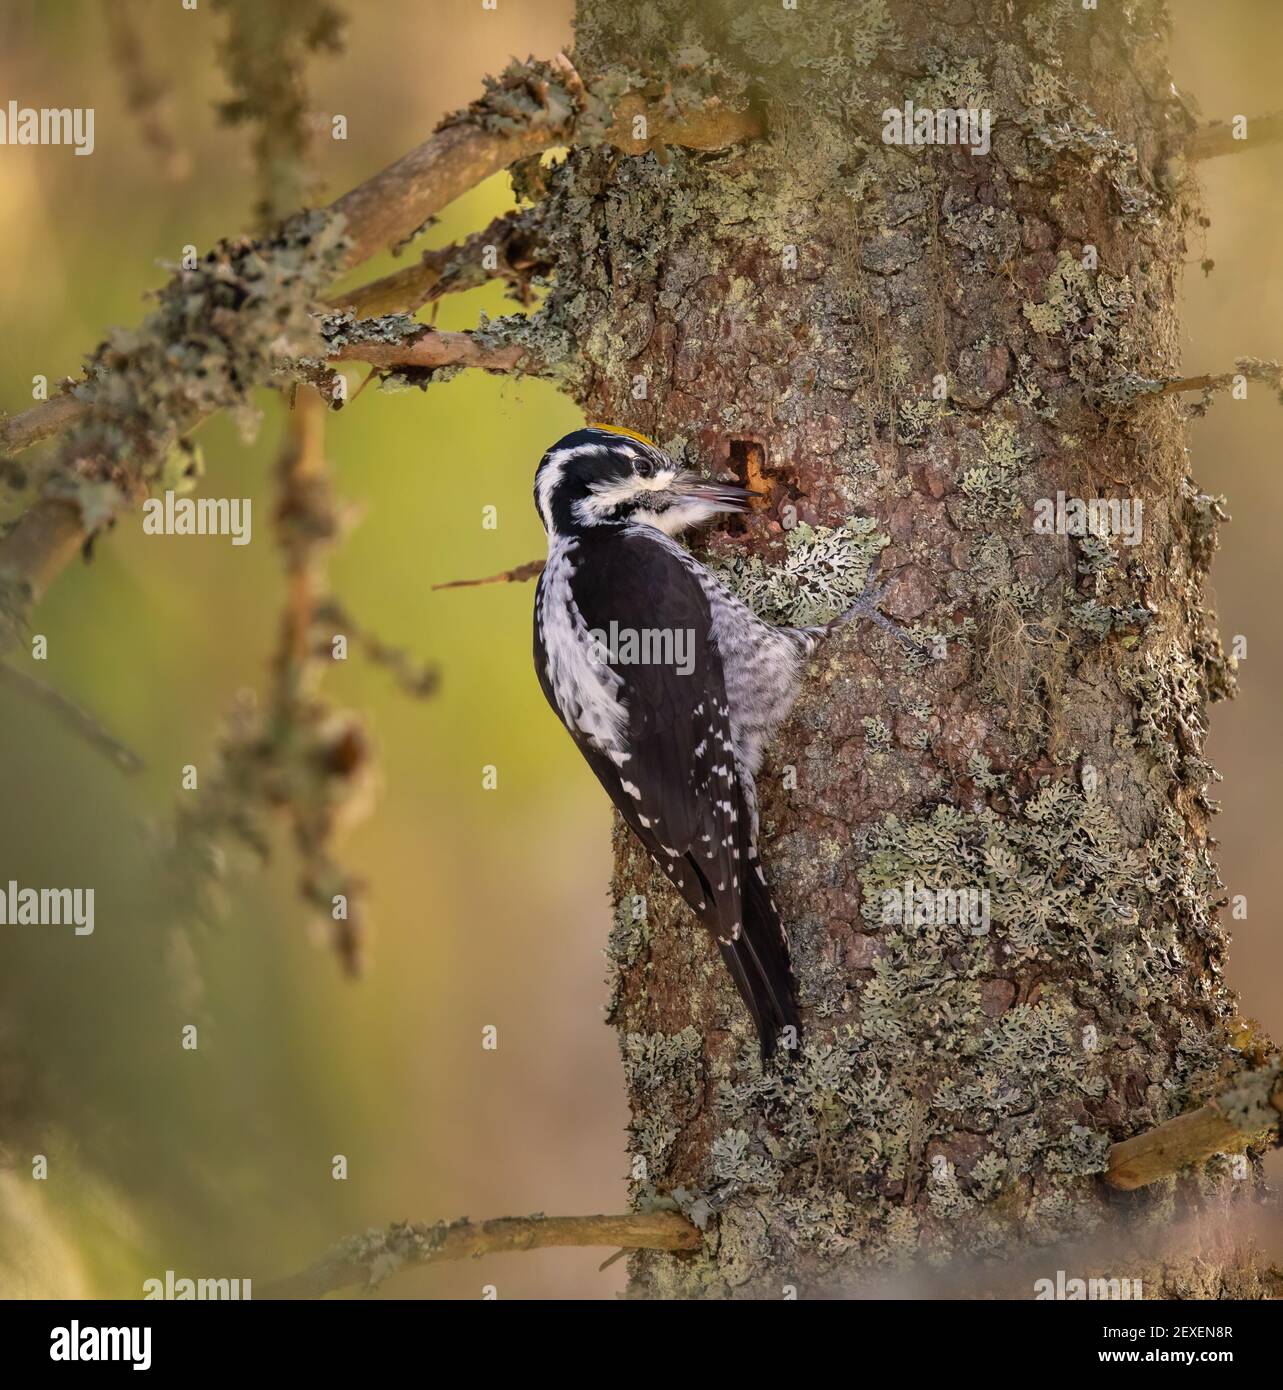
[747, 459]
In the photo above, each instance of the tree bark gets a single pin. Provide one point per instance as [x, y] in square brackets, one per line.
[789, 311]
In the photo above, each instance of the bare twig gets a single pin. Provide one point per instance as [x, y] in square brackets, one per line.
[1266, 372]
[1244, 1112]
[73, 716]
[417, 679]
[371, 1258]
[389, 207]
[530, 570]
[1217, 138]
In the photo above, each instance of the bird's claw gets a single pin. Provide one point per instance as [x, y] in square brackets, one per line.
[866, 606]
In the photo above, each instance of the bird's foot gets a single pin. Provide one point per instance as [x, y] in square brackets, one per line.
[866, 606]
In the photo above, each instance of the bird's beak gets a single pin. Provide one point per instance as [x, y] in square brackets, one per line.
[726, 497]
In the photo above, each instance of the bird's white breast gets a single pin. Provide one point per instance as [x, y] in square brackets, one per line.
[586, 689]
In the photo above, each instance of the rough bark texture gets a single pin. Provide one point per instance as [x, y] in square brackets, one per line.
[789, 308]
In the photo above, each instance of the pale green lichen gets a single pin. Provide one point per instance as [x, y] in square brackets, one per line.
[823, 571]
[990, 485]
[876, 732]
[1093, 312]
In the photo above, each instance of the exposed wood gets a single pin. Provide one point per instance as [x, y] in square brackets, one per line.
[1223, 1125]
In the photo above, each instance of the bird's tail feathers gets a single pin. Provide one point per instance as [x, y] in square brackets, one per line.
[758, 961]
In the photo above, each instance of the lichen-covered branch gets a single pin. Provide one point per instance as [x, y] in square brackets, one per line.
[397, 341]
[1133, 386]
[221, 327]
[302, 756]
[529, 108]
[369, 1259]
[1241, 1114]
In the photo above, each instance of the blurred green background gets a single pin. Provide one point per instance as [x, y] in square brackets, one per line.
[489, 907]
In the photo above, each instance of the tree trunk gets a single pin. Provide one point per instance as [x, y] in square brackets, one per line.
[908, 348]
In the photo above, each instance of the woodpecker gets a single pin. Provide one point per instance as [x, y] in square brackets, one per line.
[671, 687]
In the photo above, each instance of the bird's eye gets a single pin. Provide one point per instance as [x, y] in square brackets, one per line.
[643, 466]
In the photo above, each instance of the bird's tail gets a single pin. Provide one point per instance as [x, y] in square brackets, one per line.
[759, 964]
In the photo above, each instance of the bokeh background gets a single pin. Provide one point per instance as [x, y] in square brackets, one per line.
[489, 907]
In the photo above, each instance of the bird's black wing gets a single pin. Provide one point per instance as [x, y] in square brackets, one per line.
[673, 774]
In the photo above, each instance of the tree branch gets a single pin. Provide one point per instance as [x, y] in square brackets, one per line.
[530, 570]
[1217, 138]
[464, 150]
[33, 553]
[392, 204]
[518, 255]
[80, 721]
[1249, 1107]
[418, 346]
[371, 1258]
[43, 421]
[713, 127]
[429, 348]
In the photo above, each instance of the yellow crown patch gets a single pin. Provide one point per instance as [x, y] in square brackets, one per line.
[619, 429]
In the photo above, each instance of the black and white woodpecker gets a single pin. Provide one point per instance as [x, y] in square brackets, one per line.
[671, 686]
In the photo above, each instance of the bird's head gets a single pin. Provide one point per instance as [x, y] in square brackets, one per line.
[604, 477]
